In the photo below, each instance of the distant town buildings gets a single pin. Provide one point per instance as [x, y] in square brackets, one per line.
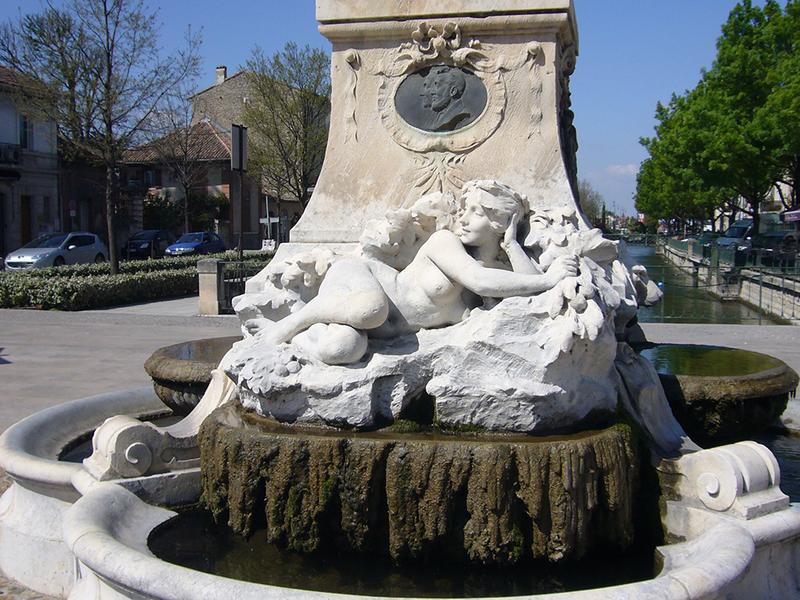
[214, 109]
[29, 197]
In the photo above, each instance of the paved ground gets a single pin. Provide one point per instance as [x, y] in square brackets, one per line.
[50, 357]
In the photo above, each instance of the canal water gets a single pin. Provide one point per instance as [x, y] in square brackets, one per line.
[686, 301]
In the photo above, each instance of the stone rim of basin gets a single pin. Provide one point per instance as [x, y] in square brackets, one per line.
[721, 408]
[774, 364]
[167, 365]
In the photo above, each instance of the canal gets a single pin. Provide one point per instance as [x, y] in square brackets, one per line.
[687, 302]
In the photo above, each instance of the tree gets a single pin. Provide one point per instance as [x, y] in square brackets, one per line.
[591, 202]
[670, 183]
[735, 135]
[179, 146]
[102, 75]
[287, 116]
[777, 120]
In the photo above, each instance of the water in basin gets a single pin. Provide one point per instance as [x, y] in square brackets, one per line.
[706, 361]
[193, 540]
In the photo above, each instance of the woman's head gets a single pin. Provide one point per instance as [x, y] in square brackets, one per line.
[496, 201]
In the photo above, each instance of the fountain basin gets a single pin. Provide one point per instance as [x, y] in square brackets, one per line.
[108, 530]
[32, 549]
[181, 372]
[719, 394]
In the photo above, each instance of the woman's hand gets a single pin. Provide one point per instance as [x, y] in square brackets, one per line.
[510, 236]
[563, 267]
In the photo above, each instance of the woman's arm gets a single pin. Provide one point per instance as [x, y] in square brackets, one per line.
[520, 261]
[448, 253]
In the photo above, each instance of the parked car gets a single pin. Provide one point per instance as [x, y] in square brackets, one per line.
[56, 249]
[149, 243]
[200, 242]
[737, 235]
[785, 242]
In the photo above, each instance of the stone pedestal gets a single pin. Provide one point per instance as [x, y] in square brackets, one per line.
[489, 499]
[389, 146]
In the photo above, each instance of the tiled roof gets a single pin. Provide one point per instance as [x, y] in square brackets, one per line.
[12, 78]
[206, 141]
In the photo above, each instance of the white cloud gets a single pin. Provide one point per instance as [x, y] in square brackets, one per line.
[629, 170]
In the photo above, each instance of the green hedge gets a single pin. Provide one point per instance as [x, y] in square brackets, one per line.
[94, 291]
[82, 287]
[135, 266]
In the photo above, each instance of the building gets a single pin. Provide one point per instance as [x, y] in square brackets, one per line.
[223, 103]
[214, 110]
[29, 195]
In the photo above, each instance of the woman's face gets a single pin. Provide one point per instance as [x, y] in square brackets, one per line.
[476, 227]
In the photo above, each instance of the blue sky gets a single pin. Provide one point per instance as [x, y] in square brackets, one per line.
[632, 54]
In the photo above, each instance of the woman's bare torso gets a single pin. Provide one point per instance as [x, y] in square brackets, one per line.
[421, 294]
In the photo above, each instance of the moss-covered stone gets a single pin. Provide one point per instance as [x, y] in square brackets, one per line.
[486, 499]
[717, 410]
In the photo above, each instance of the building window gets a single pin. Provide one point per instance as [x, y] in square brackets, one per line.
[25, 132]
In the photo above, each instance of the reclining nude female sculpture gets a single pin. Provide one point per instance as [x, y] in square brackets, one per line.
[498, 315]
[352, 340]
[360, 295]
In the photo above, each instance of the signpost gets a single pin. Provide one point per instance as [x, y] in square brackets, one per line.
[239, 165]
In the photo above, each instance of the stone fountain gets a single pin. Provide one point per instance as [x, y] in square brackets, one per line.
[436, 367]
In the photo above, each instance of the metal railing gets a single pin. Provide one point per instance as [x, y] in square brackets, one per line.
[765, 284]
[772, 262]
[234, 276]
[722, 296]
[634, 239]
[10, 154]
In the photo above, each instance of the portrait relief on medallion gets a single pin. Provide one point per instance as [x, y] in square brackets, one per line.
[441, 98]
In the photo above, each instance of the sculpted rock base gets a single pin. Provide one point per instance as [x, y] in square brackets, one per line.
[489, 372]
[488, 499]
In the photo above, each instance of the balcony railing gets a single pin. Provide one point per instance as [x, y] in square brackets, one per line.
[10, 154]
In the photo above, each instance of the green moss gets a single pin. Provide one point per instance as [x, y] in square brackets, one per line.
[517, 544]
[407, 426]
[460, 429]
[328, 487]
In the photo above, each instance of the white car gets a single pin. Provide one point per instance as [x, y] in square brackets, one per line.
[56, 249]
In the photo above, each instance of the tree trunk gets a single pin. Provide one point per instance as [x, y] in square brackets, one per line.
[113, 256]
[756, 206]
[185, 208]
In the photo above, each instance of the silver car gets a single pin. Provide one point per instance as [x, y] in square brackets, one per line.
[56, 249]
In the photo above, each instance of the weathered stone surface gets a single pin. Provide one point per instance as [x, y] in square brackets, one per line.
[359, 10]
[519, 139]
[486, 499]
[725, 409]
[181, 372]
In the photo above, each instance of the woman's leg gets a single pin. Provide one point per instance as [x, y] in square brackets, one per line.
[349, 295]
[332, 344]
